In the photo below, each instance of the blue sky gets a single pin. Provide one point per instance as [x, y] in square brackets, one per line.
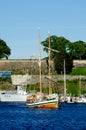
[20, 19]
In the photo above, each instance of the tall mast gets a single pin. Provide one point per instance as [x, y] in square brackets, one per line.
[49, 59]
[40, 77]
[80, 85]
[49, 62]
[64, 80]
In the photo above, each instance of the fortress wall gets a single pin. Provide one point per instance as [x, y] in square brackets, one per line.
[31, 66]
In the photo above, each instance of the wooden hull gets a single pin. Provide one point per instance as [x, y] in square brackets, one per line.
[44, 104]
[51, 105]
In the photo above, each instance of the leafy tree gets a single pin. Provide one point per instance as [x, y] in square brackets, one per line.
[4, 50]
[67, 50]
[59, 63]
[62, 45]
[78, 50]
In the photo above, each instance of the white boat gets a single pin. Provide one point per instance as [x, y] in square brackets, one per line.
[80, 99]
[65, 98]
[40, 100]
[14, 96]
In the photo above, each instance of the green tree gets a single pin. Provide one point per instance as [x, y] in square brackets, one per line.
[59, 63]
[78, 50]
[62, 45]
[4, 50]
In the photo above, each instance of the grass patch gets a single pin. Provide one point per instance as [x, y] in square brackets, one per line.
[78, 71]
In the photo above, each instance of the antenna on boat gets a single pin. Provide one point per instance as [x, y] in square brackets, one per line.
[39, 63]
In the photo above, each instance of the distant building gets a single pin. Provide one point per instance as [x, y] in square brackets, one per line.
[5, 74]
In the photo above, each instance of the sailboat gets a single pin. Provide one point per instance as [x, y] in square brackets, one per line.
[81, 98]
[65, 98]
[41, 100]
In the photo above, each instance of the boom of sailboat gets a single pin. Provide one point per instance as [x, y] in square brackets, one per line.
[51, 49]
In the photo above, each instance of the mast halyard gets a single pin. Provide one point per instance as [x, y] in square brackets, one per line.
[39, 63]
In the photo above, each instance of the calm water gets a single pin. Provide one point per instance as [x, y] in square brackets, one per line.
[17, 116]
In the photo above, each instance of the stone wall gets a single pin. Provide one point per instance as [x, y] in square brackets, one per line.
[31, 66]
[79, 63]
[24, 66]
[54, 78]
[34, 79]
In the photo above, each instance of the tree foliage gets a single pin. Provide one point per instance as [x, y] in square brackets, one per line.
[4, 50]
[78, 50]
[67, 51]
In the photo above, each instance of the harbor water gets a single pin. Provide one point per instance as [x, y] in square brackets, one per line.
[17, 116]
